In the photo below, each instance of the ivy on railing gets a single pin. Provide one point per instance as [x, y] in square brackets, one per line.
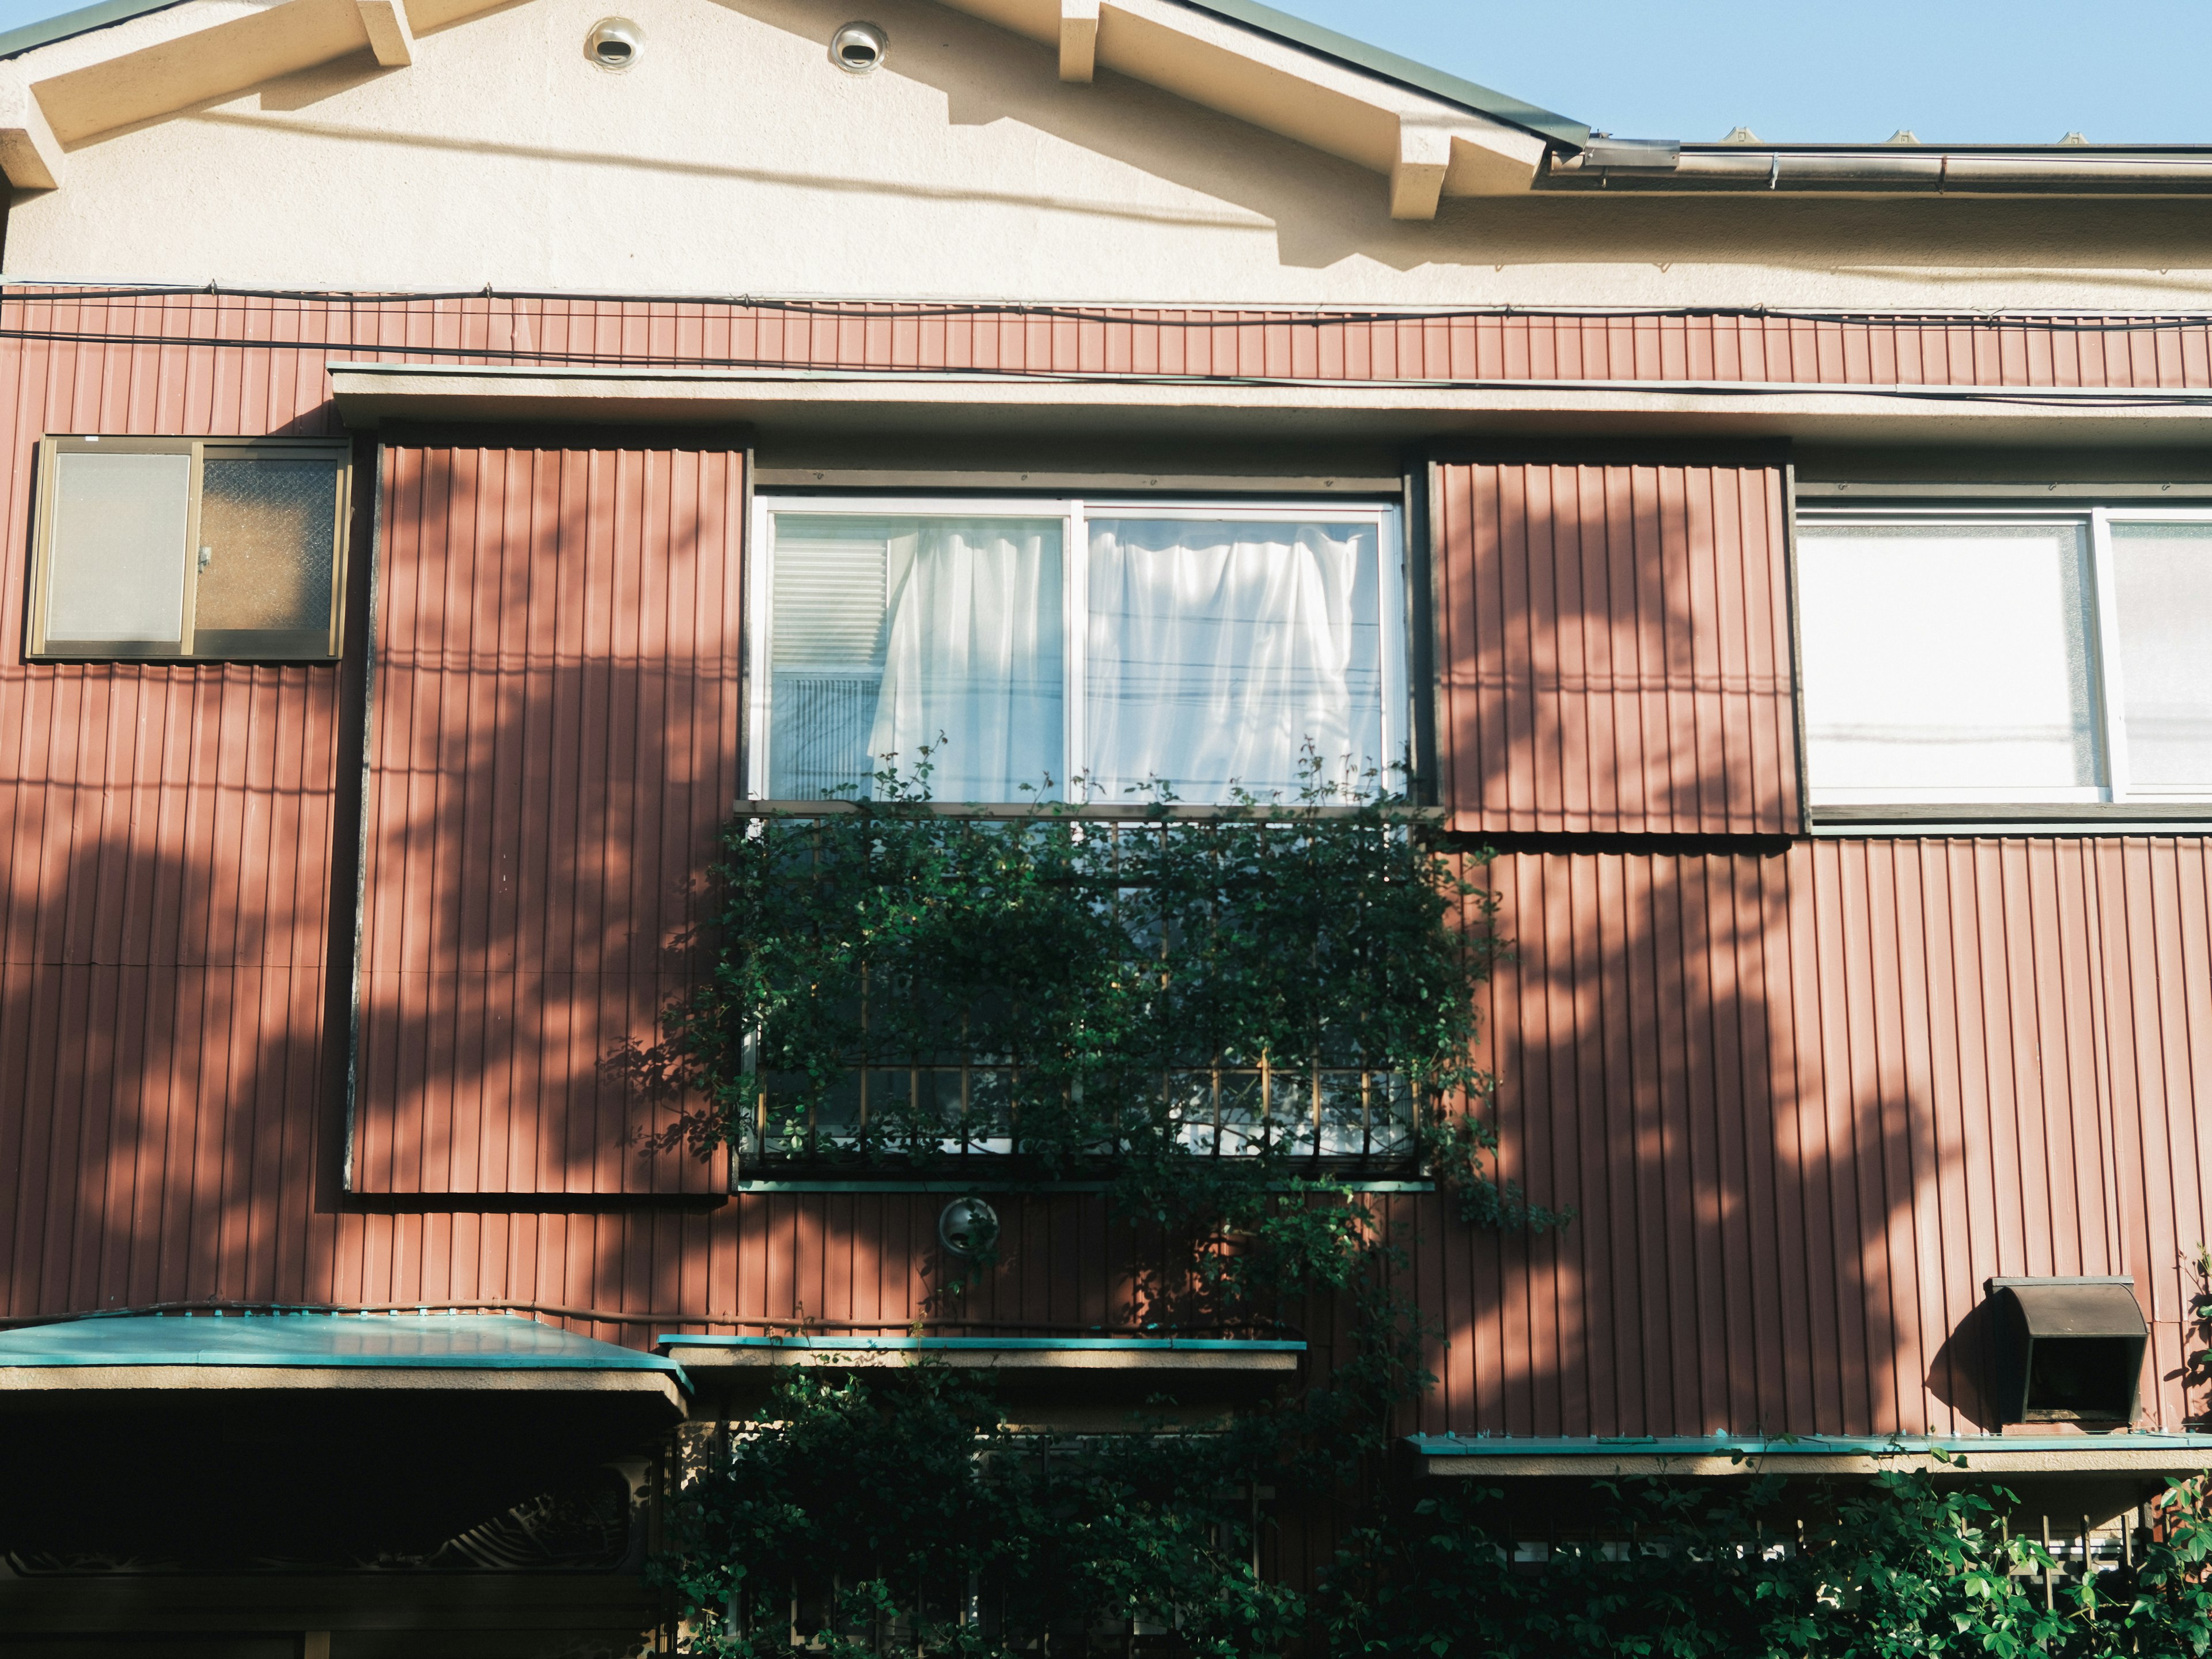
[894, 982]
[1222, 1011]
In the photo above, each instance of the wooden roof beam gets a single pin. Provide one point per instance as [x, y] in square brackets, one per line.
[1079, 39]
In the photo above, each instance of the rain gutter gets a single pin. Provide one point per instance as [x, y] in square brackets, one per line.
[1666, 167]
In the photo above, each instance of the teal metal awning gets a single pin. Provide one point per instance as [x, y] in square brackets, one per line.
[1720, 1454]
[319, 1341]
[320, 1437]
[2066, 1476]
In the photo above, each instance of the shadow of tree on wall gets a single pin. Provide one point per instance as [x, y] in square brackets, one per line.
[557, 735]
[1806, 1103]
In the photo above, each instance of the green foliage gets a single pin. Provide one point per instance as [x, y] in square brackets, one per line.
[1099, 977]
[899, 1511]
[1755, 1569]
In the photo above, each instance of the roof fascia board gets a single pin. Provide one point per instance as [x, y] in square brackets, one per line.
[195, 67]
[1427, 146]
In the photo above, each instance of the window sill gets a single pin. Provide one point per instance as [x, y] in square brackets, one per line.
[1992, 817]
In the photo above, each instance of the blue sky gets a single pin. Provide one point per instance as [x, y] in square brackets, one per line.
[1845, 71]
[1850, 71]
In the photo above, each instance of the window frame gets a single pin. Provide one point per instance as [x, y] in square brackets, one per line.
[1392, 591]
[2101, 645]
[200, 450]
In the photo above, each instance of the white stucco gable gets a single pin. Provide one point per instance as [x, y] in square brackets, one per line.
[432, 145]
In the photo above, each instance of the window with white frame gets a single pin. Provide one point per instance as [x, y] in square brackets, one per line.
[1065, 649]
[2007, 657]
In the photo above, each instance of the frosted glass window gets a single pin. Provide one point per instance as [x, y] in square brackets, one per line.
[1947, 662]
[2162, 589]
[268, 552]
[214, 549]
[115, 571]
[891, 634]
[1220, 652]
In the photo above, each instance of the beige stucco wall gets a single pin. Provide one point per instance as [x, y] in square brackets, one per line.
[734, 158]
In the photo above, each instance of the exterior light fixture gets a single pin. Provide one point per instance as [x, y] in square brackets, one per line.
[967, 1227]
[859, 48]
[614, 43]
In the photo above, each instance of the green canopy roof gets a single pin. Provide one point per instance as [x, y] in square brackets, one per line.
[322, 1340]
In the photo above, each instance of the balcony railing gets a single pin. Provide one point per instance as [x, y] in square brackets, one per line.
[891, 1110]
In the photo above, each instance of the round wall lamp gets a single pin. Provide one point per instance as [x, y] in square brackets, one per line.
[614, 43]
[859, 48]
[967, 1227]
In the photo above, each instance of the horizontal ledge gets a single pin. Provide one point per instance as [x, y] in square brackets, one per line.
[1965, 1456]
[1040, 1188]
[2008, 822]
[651, 1375]
[1069, 812]
[1045, 1345]
[791, 401]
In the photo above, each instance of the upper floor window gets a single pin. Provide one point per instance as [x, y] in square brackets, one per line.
[188, 548]
[2007, 657]
[1074, 650]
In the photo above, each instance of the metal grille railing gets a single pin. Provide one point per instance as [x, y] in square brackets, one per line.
[966, 1108]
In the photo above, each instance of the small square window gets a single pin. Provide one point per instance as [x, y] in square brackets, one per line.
[189, 547]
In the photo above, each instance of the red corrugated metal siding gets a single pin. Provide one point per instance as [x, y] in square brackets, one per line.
[554, 750]
[164, 844]
[1613, 649]
[2119, 352]
[1806, 1104]
[1790, 1042]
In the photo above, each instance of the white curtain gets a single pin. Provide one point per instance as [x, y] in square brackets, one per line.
[1218, 650]
[974, 658]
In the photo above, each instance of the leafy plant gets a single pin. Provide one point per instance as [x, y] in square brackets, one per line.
[1758, 1569]
[1273, 980]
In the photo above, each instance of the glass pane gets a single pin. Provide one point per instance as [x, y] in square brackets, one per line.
[116, 571]
[268, 552]
[891, 634]
[1220, 651]
[2162, 581]
[1946, 661]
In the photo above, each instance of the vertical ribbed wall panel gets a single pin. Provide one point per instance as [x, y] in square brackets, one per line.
[553, 752]
[242, 362]
[1805, 1104]
[1613, 649]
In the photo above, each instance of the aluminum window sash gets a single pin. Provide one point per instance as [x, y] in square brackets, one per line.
[2105, 668]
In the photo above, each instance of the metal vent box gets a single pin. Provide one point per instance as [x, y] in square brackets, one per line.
[2066, 1350]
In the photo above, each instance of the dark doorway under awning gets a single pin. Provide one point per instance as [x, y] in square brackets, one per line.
[303, 1437]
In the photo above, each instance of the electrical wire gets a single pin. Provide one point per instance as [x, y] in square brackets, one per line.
[2027, 397]
[1125, 312]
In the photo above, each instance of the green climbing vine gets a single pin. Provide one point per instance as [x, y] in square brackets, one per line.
[1099, 988]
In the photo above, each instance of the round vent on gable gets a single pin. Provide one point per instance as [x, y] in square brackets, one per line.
[614, 43]
[859, 48]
